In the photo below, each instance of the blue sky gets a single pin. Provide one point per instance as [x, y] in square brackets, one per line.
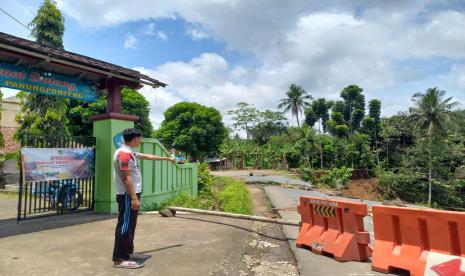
[221, 52]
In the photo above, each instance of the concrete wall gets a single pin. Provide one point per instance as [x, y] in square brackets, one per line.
[164, 179]
[10, 108]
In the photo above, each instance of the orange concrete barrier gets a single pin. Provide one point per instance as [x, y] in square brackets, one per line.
[334, 227]
[423, 242]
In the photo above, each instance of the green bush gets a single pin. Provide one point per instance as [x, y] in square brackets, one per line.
[204, 177]
[235, 198]
[411, 187]
[306, 173]
[185, 200]
[455, 193]
[337, 177]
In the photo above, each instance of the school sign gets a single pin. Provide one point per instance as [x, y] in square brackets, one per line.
[38, 81]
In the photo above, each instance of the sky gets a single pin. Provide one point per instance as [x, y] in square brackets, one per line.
[221, 52]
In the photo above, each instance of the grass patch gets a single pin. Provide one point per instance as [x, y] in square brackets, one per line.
[220, 193]
[9, 195]
[235, 198]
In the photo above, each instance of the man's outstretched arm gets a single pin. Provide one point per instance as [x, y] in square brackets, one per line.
[155, 157]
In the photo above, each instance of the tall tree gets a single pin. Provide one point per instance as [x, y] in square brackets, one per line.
[374, 109]
[354, 106]
[245, 116]
[42, 114]
[337, 125]
[132, 102]
[319, 111]
[270, 123]
[193, 128]
[388, 134]
[321, 108]
[48, 26]
[310, 116]
[297, 100]
[372, 124]
[431, 111]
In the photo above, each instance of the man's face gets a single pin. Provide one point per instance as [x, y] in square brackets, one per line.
[137, 141]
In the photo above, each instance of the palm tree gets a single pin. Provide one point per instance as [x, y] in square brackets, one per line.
[297, 99]
[431, 112]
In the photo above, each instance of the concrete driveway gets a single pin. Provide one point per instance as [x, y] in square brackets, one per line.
[81, 244]
[8, 206]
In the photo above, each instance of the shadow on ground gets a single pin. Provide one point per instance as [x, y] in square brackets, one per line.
[10, 227]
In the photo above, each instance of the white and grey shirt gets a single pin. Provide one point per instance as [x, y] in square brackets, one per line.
[125, 159]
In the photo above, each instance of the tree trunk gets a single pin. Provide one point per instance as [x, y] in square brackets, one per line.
[242, 161]
[430, 177]
[351, 154]
[284, 162]
[350, 124]
[321, 156]
[387, 155]
[376, 147]
[297, 115]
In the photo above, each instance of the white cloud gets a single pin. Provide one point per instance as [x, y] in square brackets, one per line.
[455, 77]
[197, 32]
[130, 41]
[150, 30]
[204, 79]
[160, 100]
[162, 36]
[321, 45]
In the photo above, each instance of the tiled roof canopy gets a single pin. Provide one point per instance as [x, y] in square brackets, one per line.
[24, 44]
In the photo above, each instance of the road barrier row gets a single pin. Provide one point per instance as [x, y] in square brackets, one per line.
[419, 241]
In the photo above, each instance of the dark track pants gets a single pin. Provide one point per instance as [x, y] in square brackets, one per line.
[125, 228]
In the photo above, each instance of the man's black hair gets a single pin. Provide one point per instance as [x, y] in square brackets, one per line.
[131, 133]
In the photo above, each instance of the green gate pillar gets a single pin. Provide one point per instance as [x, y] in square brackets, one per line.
[106, 126]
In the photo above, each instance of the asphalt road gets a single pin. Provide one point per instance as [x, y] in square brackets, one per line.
[308, 262]
[287, 198]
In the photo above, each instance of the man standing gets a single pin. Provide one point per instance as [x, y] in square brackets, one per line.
[128, 182]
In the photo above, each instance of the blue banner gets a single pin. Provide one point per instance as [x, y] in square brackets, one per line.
[38, 81]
